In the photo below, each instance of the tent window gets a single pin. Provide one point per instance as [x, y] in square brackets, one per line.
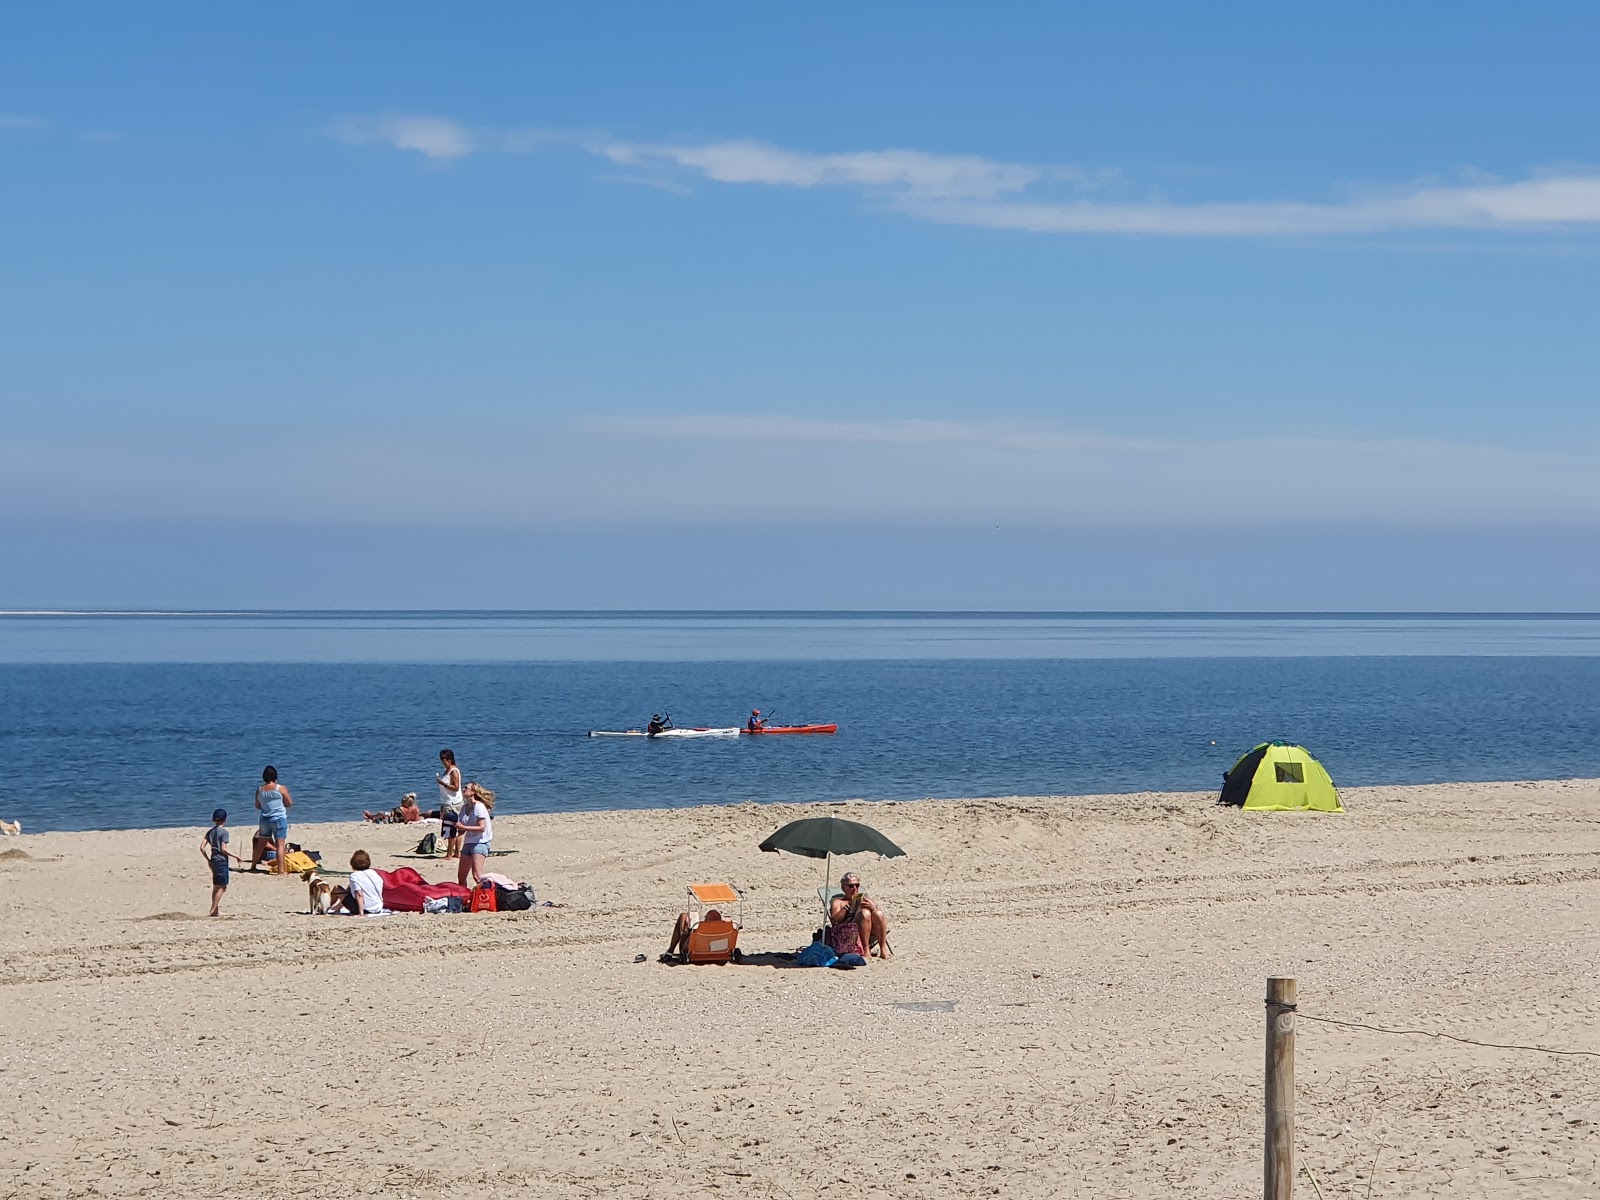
[1289, 772]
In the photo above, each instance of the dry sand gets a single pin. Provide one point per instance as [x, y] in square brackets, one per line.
[1074, 1010]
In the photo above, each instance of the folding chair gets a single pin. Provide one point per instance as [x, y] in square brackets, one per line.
[714, 941]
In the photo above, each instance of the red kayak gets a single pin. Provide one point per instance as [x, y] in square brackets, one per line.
[793, 729]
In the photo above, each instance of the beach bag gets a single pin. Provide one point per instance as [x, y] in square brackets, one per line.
[514, 899]
[429, 844]
[296, 861]
[484, 899]
[818, 954]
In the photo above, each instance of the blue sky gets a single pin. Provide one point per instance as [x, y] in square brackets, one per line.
[719, 306]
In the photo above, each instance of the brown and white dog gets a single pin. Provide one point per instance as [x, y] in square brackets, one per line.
[10, 828]
[321, 894]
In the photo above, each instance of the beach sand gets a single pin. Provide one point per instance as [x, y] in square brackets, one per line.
[1074, 1009]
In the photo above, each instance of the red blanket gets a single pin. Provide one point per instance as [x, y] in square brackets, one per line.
[404, 890]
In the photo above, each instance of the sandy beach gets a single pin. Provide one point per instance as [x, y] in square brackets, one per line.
[1074, 1009]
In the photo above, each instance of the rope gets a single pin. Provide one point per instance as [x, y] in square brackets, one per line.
[1450, 1036]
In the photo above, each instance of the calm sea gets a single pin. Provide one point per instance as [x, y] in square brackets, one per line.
[120, 721]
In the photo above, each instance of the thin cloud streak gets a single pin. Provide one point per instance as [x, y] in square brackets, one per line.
[912, 173]
[1530, 205]
[970, 190]
[916, 433]
[714, 472]
[907, 432]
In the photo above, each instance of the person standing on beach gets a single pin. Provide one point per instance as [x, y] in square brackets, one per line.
[274, 801]
[450, 802]
[214, 849]
[478, 829]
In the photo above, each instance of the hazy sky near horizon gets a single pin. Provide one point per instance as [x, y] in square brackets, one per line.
[646, 304]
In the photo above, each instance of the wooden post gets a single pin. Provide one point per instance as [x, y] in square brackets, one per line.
[1278, 1161]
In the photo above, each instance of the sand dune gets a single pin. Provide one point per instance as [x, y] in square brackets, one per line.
[1074, 1010]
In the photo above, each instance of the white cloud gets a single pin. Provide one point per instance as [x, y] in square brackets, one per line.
[20, 121]
[434, 137]
[901, 172]
[968, 189]
[1535, 204]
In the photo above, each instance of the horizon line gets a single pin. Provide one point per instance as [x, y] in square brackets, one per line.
[1191, 614]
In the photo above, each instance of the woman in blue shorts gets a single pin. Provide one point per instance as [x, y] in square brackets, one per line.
[478, 831]
[274, 801]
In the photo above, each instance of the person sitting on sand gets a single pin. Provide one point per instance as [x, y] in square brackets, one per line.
[406, 813]
[365, 895]
[681, 928]
[856, 922]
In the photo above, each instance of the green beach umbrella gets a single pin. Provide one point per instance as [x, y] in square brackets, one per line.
[820, 837]
[823, 837]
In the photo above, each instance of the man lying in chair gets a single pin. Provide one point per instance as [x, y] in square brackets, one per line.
[855, 922]
[712, 940]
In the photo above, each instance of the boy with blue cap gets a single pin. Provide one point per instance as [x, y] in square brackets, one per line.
[214, 849]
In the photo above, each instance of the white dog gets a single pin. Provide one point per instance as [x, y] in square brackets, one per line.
[321, 894]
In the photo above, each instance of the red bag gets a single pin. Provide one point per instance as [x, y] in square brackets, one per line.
[484, 899]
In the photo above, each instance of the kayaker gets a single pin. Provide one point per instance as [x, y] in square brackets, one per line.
[755, 724]
[658, 723]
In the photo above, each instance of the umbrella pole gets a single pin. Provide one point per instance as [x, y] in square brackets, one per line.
[827, 907]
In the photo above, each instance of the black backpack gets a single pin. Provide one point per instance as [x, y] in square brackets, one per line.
[513, 900]
[429, 844]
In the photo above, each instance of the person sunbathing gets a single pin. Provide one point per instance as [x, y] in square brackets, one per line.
[855, 921]
[406, 813]
[678, 947]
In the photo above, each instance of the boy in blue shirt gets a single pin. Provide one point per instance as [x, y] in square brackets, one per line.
[214, 849]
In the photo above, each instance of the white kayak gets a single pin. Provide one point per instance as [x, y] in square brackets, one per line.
[731, 731]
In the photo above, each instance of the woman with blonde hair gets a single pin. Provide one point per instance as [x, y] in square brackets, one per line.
[477, 830]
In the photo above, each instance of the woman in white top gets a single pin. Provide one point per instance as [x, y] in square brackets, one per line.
[477, 829]
[364, 896]
[450, 801]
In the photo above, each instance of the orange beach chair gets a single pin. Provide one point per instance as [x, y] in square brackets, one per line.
[714, 941]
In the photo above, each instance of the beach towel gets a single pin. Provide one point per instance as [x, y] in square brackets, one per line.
[817, 954]
[406, 891]
[295, 861]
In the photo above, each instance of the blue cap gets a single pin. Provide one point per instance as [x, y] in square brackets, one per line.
[220, 815]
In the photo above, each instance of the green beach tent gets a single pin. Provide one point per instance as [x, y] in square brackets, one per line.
[1279, 777]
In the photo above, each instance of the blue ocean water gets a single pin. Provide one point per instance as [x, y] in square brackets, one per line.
[120, 721]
